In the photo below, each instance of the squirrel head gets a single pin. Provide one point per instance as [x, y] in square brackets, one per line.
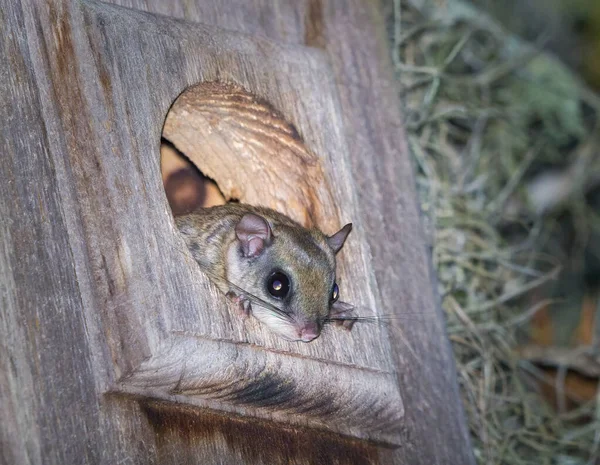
[292, 268]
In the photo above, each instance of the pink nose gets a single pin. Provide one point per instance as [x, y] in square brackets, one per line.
[309, 332]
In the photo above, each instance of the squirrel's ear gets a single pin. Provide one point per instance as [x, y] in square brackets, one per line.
[254, 233]
[337, 240]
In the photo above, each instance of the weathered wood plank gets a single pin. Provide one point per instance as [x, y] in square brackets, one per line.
[298, 83]
[282, 21]
[435, 426]
[352, 33]
[85, 245]
[248, 381]
[63, 416]
[41, 313]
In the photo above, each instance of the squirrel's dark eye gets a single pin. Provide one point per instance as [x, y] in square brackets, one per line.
[278, 285]
[335, 293]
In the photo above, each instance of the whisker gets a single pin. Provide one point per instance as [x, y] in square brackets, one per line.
[372, 319]
[281, 314]
[251, 297]
[219, 279]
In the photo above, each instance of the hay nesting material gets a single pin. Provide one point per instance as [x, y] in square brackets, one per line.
[483, 113]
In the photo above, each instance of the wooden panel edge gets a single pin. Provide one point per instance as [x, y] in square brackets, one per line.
[248, 380]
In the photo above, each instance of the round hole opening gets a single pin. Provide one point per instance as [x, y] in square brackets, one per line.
[186, 187]
[222, 143]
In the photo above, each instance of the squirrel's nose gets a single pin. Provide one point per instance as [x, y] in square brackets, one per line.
[309, 332]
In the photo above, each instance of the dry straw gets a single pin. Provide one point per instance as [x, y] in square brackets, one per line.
[482, 110]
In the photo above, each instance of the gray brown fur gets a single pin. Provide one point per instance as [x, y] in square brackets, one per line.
[302, 254]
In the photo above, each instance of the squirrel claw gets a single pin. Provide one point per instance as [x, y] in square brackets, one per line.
[245, 308]
[346, 324]
[242, 305]
[343, 315]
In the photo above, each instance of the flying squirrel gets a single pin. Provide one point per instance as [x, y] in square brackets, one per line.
[272, 267]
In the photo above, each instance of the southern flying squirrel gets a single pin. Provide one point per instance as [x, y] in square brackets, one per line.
[275, 269]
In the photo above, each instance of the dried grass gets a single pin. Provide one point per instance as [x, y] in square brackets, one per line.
[483, 110]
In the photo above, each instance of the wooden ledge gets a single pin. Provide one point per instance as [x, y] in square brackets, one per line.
[249, 380]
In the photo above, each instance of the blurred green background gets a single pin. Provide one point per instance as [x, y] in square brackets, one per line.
[571, 28]
[502, 114]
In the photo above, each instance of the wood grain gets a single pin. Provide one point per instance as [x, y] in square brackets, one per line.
[42, 324]
[221, 126]
[252, 382]
[251, 151]
[95, 280]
